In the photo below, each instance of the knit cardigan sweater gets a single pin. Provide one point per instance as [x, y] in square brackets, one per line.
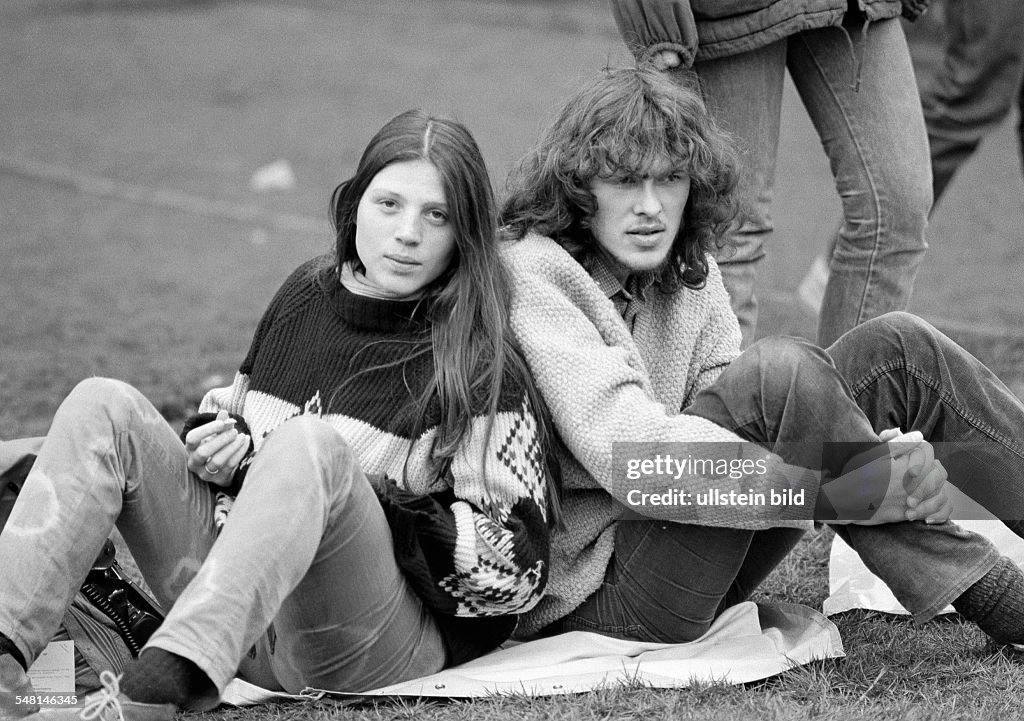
[604, 384]
[475, 548]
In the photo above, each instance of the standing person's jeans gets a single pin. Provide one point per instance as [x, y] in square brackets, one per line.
[306, 546]
[667, 582]
[981, 77]
[877, 148]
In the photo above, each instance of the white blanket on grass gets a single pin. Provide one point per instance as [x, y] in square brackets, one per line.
[747, 643]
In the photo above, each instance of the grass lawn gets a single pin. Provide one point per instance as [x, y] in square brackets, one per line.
[132, 246]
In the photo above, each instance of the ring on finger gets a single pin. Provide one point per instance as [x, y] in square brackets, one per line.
[212, 471]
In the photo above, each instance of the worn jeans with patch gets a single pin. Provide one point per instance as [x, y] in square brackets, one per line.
[301, 587]
[667, 582]
[877, 148]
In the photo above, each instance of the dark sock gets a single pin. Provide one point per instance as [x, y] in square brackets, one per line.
[996, 603]
[7, 646]
[159, 676]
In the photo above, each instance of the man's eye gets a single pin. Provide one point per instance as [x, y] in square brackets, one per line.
[388, 203]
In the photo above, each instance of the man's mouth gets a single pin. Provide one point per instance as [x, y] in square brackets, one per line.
[646, 230]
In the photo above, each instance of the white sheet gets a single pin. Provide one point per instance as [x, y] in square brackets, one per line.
[746, 643]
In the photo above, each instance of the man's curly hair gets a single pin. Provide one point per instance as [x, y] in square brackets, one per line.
[627, 121]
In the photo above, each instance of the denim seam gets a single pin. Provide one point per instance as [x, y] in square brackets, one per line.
[871, 184]
[631, 630]
[897, 365]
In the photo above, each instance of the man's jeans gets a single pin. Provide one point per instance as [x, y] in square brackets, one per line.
[306, 548]
[667, 582]
[981, 77]
[877, 148]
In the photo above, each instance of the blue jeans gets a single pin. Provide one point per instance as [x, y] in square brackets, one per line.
[877, 148]
[300, 588]
[981, 77]
[667, 582]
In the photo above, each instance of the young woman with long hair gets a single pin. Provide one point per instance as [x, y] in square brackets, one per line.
[383, 445]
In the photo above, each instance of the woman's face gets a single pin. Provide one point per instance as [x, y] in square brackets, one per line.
[404, 236]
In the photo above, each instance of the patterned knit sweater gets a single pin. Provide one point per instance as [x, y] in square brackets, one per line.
[605, 384]
[474, 548]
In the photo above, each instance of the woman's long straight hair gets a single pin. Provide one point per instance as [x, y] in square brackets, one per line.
[472, 344]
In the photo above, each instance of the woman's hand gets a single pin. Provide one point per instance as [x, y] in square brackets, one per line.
[215, 449]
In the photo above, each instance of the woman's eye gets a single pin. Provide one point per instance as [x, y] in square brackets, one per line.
[388, 203]
[438, 216]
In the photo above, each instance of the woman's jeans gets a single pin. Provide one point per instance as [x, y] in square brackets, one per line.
[667, 582]
[980, 79]
[877, 147]
[300, 588]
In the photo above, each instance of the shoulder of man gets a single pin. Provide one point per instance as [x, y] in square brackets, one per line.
[539, 257]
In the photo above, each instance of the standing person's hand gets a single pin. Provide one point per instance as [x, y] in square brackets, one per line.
[215, 449]
[666, 59]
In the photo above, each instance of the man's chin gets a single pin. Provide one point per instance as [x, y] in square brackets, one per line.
[645, 264]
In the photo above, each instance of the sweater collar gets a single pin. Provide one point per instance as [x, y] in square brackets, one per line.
[636, 285]
[376, 314]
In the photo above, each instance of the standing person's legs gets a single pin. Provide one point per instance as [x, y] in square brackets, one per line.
[744, 94]
[877, 147]
[306, 546]
[977, 83]
[109, 457]
[1020, 123]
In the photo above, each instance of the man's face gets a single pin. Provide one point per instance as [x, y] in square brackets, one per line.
[638, 218]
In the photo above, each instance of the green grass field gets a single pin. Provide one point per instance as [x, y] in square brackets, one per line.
[132, 246]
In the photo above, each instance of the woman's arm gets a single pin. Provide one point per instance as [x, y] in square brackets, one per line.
[479, 548]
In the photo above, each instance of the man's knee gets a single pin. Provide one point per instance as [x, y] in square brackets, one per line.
[901, 327]
[785, 354]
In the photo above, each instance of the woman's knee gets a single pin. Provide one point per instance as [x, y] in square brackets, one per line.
[105, 398]
[301, 447]
[309, 431]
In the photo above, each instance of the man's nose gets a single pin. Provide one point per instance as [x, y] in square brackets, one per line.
[647, 201]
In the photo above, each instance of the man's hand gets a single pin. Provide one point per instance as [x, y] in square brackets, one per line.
[915, 485]
[215, 449]
[925, 478]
